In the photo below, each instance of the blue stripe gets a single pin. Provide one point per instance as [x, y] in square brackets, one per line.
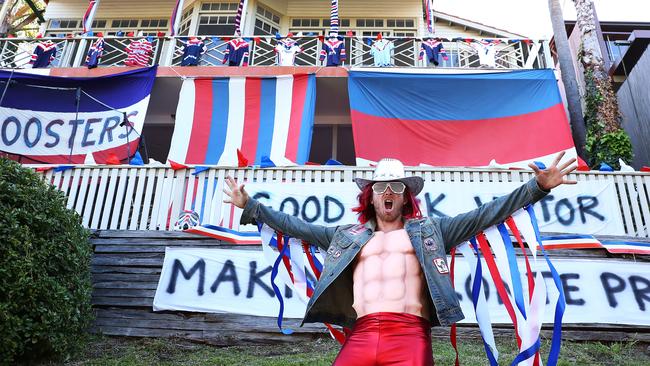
[117, 90]
[267, 119]
[556, 340]
[219, 123]
[514, 270]
[476, 288]
[631, 243]
[307, 126]
[317, 263]
[229, 231]
[566, 237]
[452, 96]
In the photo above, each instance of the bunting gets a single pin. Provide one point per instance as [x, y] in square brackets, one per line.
[334, 16]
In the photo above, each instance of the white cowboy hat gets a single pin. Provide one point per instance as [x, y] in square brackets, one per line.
[388, 170]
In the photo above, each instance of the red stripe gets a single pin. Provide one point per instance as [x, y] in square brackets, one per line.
[549, 246]
[225, 238]
[253, 100]
[285, 259]
[310, 259]
[462, 143]
[200, 135]
[630, 251]
[498, 282]
[295, 122]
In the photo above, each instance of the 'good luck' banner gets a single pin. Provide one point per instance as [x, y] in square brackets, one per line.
[45, 119]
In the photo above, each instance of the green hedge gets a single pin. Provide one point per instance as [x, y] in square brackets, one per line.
[45, 257]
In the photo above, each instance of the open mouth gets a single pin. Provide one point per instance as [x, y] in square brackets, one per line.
[388, 204]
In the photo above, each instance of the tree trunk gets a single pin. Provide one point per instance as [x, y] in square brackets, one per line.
[568, 72]
[591, 59]
[606, 141]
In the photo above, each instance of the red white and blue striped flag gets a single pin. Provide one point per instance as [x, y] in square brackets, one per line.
[265, 118]
[89, 15]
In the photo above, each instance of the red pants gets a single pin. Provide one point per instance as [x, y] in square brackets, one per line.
[388, 339]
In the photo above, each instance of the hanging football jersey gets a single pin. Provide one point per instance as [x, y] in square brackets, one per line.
[433, 50]
[381, 51]
[236, 52]
[192, 52]
[286, 51]
[486, 53]
[95, 53]
[334, 51]
[138, 53]
[43, 55]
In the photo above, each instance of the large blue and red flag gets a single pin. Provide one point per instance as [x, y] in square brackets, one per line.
[270, 118]
[55, 120]
[512, 118]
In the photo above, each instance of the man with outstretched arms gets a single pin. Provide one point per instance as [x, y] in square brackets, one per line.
[387, 277]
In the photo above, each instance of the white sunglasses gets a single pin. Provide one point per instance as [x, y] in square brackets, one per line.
[395, 187]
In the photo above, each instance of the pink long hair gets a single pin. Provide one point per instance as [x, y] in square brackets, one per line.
[366, 210]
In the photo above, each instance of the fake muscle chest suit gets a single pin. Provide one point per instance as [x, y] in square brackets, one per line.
[387, 276]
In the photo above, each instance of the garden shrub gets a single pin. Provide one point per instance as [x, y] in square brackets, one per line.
[45, 284]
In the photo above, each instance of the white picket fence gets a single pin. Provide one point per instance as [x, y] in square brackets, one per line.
[151, 198]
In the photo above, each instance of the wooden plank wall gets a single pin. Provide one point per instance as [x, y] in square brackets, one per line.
[126, 267]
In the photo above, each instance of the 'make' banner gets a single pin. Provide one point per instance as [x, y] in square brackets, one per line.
[238, 281]
[511, 117]
[269, 118]
[54, 120]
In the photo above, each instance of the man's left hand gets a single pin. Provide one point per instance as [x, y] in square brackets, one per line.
[554, 175]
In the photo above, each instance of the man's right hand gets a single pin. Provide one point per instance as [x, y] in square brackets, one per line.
[236, 194]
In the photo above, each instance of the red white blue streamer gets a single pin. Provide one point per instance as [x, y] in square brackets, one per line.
[89, 15]
[240, 11]
[174, 21]
[428, 16]
[334, 16]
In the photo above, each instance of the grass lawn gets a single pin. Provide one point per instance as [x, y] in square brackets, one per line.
[130, 351]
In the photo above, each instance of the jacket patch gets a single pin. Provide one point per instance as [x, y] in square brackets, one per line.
[430, 244]
[441, 265]
[356, 230]
[334, 252]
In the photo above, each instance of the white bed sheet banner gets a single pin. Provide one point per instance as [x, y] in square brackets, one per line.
[238, 281]
[590, 207]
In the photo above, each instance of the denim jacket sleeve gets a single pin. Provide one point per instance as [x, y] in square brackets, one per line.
[458, 229]
[314, 234]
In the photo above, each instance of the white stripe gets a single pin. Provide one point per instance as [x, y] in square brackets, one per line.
[525, 226]
[546, 159]
[535, 317]
[482, 314]
[499, 248]
[283, 100]
[183, 124]
[235, 131]
[298, 268]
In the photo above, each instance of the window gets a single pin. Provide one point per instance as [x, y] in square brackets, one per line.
[153, 23]
[219, 7]
[64, 24]
[267, 22]
[99, 24]
[186, 19]
[124, 23]
[400, 23]
[342, 22]
[217, 19]
[370, 23]
[305, 23]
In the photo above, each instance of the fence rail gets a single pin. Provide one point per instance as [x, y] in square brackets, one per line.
[150, 198]
[168, 51]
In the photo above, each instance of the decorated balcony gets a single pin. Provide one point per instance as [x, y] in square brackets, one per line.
[509, 54]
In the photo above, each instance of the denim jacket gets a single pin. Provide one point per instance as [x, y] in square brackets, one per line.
[431, 238]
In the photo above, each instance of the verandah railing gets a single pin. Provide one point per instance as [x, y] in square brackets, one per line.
[167, 51]
[151, 198]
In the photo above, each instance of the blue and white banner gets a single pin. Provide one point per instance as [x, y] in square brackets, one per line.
[45, 119]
